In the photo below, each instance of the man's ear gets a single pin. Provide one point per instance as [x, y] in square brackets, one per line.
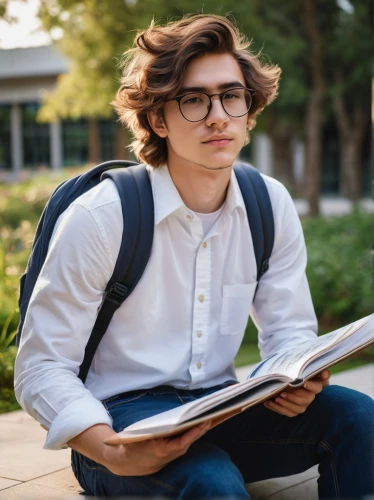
[157, 124]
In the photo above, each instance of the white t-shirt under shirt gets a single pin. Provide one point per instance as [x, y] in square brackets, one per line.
[183, 323]
[208, 220]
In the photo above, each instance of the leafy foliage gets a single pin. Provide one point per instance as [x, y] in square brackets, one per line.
[8, 401]
[340, 270]
[340, 267]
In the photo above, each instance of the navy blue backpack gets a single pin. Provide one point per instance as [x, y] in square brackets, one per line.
[135, 192]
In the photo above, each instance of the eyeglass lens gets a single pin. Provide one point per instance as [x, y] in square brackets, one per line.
[195, 106]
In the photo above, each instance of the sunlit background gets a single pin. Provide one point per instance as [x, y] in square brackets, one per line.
[59, 71]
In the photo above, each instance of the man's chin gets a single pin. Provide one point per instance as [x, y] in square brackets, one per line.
[222, 166]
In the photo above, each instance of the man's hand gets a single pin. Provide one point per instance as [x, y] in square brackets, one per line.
[148, 457]
[295, 400]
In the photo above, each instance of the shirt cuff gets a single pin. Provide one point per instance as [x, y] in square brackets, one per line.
[74, 419]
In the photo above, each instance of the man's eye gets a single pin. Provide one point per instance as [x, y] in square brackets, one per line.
[231, 96]
[192, 100]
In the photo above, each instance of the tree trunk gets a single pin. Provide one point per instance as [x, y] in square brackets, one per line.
[282, 142]
[351, 168]
[120, 142]
[283, 159]
[352, 128]
[313, 150]
[94, 150]
[313, 123]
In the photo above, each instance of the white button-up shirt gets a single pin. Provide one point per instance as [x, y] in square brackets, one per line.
[184, 322]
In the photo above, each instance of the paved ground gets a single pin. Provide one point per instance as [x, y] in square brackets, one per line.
[28, 472]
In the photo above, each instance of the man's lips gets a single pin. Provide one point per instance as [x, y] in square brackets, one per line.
[218, 142]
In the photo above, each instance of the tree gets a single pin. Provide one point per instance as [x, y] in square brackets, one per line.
[349, 71]
[95, 35]
[299, 36]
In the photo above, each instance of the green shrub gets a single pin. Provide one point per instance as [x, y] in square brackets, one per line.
[340, 270]
[8, 401]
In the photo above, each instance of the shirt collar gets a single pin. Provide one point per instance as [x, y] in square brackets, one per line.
[165, 195]
[234, 198]
[167, 198]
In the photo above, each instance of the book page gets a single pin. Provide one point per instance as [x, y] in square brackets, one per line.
[171, 418]
[351, 344]
[216, 415]
[291, 363]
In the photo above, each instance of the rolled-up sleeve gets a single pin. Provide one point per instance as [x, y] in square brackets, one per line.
[283, 311]
[58, 323]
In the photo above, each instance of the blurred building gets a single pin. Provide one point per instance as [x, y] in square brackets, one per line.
[26, 73]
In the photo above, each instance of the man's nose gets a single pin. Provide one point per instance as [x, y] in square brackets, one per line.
[217, 115]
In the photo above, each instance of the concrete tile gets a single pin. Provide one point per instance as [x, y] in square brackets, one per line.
[63, 480]
[307, 490]
[24, 461]
[361, 379]
[7, 483]
[28, 491]
[18, 416]
[28, 431]
[270, 487]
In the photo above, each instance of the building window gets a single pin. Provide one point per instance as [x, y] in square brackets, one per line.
[107, 130]
[36, 142]
[75, 142]
[5, 142]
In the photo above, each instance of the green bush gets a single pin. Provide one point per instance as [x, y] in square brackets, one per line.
[339, 270]
[8, 401]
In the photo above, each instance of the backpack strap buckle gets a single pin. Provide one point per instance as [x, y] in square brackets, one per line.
[117, 293]
[265, 267]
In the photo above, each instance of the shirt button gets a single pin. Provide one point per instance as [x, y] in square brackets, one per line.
[204, 244]
[198, 365]
[199, 333]
[201, 298]
[189, 217]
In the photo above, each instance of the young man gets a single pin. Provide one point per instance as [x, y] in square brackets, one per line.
[190, 93]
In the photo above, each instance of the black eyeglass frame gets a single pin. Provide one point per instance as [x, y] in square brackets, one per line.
[178, 98]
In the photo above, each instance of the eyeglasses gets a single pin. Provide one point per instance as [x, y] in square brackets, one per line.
[196, 106]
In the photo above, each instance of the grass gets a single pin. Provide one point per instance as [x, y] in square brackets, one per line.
[249, 354]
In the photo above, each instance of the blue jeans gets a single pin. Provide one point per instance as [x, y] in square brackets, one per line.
[336, 432]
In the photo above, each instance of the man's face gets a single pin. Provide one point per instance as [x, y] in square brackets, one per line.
[194, 142]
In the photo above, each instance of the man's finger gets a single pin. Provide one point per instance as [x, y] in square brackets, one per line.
[313, 385]
[279, 409]
[296, 408]
[186, 438]
[299, 392]
[325, 377]
[303, 398]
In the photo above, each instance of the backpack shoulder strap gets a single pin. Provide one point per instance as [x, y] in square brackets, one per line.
[136, 196]
[259, 212]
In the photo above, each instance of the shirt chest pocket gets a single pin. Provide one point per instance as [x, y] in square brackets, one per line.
[236, 306]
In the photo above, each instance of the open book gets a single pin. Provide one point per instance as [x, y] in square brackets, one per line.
[267, 379]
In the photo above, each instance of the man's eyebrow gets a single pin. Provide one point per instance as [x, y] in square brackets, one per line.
[221, 86]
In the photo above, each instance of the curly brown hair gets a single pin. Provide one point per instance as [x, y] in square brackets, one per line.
[153, 69]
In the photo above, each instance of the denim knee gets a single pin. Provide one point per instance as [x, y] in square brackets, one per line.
[207, 471]
[215, 475]
[352, 410]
